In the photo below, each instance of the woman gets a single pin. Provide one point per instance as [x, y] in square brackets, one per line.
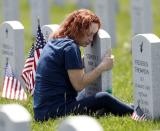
[60, 72]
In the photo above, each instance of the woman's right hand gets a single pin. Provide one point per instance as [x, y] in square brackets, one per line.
[107, 61]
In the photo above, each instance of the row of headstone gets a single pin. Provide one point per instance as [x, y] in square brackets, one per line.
[88, 4]
[12, 48]
[80, 3]
[146, 69]
[39, 9]
[140, 11]
[14, 117]
[145, 51]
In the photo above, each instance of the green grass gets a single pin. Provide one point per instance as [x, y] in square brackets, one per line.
[122, 71]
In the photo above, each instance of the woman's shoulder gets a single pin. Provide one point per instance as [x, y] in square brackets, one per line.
[63, 39]
[66, 42]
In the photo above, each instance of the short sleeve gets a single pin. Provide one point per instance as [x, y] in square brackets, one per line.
[73, 57]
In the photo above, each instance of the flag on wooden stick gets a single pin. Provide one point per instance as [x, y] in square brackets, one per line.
[26, 72]
[29, 71]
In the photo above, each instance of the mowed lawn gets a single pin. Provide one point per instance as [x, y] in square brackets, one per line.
[122, 71]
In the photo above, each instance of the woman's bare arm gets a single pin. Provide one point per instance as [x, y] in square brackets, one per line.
[80, 79]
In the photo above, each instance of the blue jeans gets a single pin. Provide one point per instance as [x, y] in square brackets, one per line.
[99, 104]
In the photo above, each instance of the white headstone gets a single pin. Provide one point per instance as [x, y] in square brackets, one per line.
[10, 10]
[14, 117]
[146, 73]
[12, 47]
[105, 9]
[141, 13]
[1, 12]
[48, 29]
[116, 6]
[84, 4]
[59, 2]
[80, 123]
[39, 9]
[93, 55]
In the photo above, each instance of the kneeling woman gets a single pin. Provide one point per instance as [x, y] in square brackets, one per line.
[60, 72]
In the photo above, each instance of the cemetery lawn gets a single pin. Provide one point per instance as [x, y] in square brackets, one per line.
[122, 71]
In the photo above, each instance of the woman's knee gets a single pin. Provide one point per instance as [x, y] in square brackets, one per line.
[103, 95]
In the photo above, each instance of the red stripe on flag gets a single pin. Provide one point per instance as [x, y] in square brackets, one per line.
[15, 89]
[11, 87]
[6, 79]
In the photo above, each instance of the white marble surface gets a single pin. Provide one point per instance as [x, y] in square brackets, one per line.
[141, 15]
[10, 9]
[12, 47]
[14, 117]
[146, 73]
[92, 57]
[105, 9]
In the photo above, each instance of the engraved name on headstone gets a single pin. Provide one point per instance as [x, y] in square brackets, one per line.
[93, 55]
[146, 73]
[12, 47]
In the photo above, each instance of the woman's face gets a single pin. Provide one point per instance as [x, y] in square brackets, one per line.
[88, 37]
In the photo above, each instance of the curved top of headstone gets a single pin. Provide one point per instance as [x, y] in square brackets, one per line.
[103, 34]
[151, 38]
[16, 25]
[15, 113]
[52, 26]
[80, 123]
[48, 29]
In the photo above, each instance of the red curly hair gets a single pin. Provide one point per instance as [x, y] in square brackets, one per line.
[76, 25]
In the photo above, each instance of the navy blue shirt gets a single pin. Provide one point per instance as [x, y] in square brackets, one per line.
[53, 88]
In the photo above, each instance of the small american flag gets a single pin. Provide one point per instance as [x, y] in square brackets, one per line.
[26, 72]
[29, 71]
[12, 88]
[138, 114]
